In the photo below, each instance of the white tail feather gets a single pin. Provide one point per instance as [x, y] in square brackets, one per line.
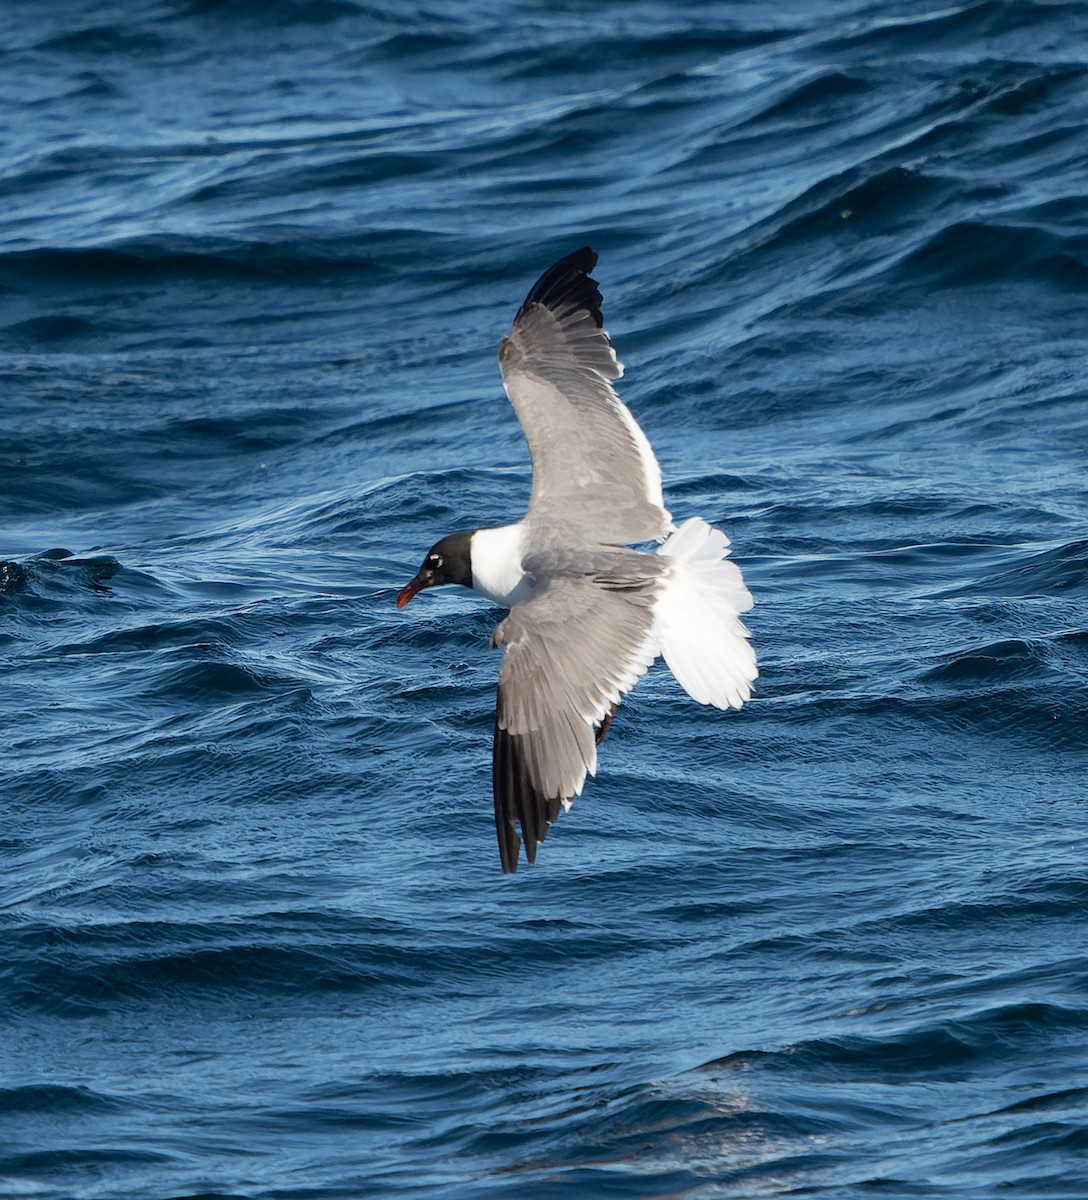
[698, 622]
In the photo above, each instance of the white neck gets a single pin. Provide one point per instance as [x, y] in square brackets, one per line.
[496, 564]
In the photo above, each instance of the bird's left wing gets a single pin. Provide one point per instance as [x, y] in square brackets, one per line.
[594, 473]
[574, 648]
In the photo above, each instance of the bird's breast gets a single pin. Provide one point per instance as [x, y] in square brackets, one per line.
[497, 572]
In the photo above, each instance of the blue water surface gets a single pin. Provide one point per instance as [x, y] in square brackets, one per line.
[255, 260]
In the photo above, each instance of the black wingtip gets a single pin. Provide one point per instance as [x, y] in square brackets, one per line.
[502, 785]
[517, 800]
[566, 286]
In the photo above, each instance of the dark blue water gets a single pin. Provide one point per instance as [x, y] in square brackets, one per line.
[255, 261]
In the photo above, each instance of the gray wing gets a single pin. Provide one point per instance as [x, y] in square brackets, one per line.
[574, 648]
[594, 473]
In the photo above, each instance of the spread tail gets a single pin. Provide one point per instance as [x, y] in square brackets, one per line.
[699, 629]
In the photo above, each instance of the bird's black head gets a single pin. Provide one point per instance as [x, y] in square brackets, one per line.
[447, 561]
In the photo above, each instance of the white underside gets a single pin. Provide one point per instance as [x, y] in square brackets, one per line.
[496, 564]
[697, 625]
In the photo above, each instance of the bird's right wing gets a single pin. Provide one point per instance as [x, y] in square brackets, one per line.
[574, 648]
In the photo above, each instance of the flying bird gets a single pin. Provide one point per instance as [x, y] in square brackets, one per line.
[588, 613]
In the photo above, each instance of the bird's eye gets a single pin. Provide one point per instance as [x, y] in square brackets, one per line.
[436, 560]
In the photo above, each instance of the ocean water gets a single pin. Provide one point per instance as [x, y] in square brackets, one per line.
[255, 260]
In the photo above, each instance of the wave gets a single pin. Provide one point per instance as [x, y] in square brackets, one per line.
[50, 1099]
[1056, 571]
[272, 13]
[59, 1160]
[108, 968]
[980, 252]
[57, 572]
[192, 258]
[44, 331]
[1011, 660]
[96, 41]
[980, 19]
[659, 48]
[941, 1049]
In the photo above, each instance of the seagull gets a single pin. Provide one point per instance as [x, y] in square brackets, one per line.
[589, 613]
